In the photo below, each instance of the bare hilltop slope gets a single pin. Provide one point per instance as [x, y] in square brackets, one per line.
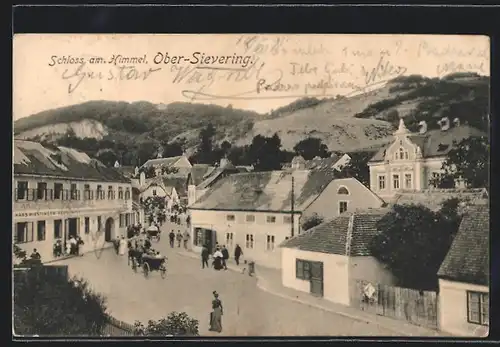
[343, 123]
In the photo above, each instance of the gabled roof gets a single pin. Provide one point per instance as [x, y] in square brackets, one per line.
[32, 158]
[434, 198]
[265, 191]
[349, 234]
[216, 174]
[162, 161]
[199, 172]
[435, 143]
[179, 183]
[468, 257]
[323, 163]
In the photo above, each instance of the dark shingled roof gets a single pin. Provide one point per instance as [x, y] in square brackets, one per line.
[434, 198]
[31, 158]
[435, 143]
[468, 257]
[349, 234]
[322, 163]
[199, 172]
[265, 191]
[162, 161]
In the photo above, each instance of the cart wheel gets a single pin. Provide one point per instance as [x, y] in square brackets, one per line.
[145, 269]
[163, 271]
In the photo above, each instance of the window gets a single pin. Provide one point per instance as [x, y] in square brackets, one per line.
[396, 156]
[24, 232]
[122, 220]
[99, 223]
[87, 193]
[287, 219]
[271, 219]
[120, 193]
[406, 155]
[250, 218]
[270, 242]
[74, 192]
[22, 188]
[249, 241]
[87, 225]
[100, 193]
[229, 239]
[58, 229]
[154, 192]
[111, 193]
[408, 182]
[230, 217]
[41, 190]
[342, 206]
[343, 191]
[302, 269]
[395, 181]
[127, 219]
[127, 194]
[40, 230]
[478, 308]
[58, 189]
[381, 182]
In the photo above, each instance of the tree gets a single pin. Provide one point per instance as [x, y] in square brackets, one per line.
[358, 167]
[173, 149]
[47, 304]
[312, 221]
[469, 161]
[176, 324]
[413, 242]
[311, 147]
[204, 153]
[265, 153]
[107, 156]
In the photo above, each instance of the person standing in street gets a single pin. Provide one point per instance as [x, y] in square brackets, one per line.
[204, 256]
[171, 237]
[216, 314]
[225, 256]
[179, 238]
[237, 254]
[185, 239]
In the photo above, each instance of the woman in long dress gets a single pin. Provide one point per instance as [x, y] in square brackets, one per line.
[123, 246]
[216, 314]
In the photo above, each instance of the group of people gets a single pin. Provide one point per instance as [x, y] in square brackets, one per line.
[220, 256]
[72, 246]
[184, 238]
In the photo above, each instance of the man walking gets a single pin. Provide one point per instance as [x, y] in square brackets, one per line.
[225, 256]
[171, 236]
[204, 257]
[237, 254]
[186, 239]
[179, 238]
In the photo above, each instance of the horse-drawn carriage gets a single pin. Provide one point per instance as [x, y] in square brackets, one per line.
[147, 263]
[154, 233]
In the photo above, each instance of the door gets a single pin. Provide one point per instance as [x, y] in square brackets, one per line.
[108, 230]
[72, 227]
[209, 239]
[316, 279]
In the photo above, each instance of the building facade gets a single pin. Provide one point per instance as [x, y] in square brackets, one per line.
[464, 277]
[60, 192]
[413, 160]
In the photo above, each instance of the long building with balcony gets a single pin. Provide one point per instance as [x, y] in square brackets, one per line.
[60, 192]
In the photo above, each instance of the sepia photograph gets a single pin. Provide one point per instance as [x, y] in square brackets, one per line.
[210, 185]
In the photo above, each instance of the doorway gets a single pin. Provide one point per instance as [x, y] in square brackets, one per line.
[109, 229]
[72, 227]
[316, 279]
[210, 239]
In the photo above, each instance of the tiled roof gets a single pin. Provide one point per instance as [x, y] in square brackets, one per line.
[435, 143]
[322, 163]
[216, 174]
[468, 257]
[349, 234]
[265, 191]
[31, 158]
[433, 198]
[179, 183]
[162, 161]
[127, 171]
[199, 172]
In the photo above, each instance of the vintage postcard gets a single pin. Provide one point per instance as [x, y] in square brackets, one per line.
[250, 185]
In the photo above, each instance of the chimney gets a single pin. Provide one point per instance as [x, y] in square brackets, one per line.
[223, 162]
[142, 178]
[444, 123]
[456, 122]
[423, 127]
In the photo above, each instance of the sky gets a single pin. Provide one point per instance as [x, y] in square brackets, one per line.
[251, 71]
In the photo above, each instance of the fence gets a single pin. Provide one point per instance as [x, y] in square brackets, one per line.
[21, 271]
[414, 306]
[116, 327]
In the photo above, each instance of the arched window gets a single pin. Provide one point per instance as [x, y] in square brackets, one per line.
[401, 153]
[343, 191]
